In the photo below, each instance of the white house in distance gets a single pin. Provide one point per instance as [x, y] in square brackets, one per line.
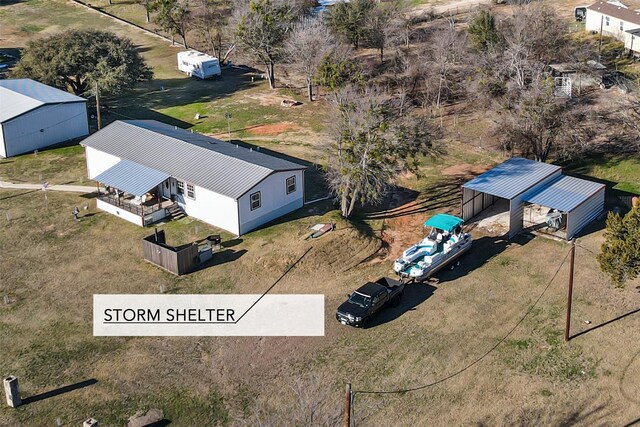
[198, 64]
[34, 115]
[151, 168]
[615, 20]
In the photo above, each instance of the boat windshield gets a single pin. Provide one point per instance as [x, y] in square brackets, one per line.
[361, 300]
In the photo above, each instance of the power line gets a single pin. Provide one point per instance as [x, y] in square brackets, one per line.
[448, 377]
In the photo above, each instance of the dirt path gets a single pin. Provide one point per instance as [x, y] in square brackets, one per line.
[454, 6]
[68, 188]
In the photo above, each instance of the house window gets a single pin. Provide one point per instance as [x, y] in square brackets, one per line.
[180, 186]
[255, 200]
[191, 191]
[606, 20]
[291, 184]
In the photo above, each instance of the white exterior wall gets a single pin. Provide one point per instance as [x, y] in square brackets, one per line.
[595, 19]
[98, 161]
[632, 42]
[114, 210]
[275, 201]
[585, 213]
[46, 125]
[516, 205]
[212, 208]
[2, 151]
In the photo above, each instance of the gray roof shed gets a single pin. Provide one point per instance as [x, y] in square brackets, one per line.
[566, 193]
[511, 177]
[219, 166]
[22, 95]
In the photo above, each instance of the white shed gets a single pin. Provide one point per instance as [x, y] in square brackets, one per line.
[34, 116]
[153, 168]
[198, 64]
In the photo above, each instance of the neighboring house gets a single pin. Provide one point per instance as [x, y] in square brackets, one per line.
[151, 167]
[34, 115]
[615, 20]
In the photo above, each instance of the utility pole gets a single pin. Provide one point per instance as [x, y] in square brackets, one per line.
[98, 117]
[347, 407]
[228, 117]
[600, 43]
[569, 296]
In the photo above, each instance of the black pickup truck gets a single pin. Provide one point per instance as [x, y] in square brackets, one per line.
[368, 300]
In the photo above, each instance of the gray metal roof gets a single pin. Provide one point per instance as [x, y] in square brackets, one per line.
[511, 177]
[131, 177]
[566, 193]
[216, 165]
[17, 96]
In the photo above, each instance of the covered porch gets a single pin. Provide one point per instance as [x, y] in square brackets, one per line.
[135, 193]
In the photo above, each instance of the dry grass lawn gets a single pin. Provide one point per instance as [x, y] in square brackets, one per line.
[50, 266]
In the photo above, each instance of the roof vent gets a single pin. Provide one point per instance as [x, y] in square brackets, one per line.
[191, 130]
[250, 149]
[175, 128]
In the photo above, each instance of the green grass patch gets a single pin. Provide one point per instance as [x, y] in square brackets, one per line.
[57, 166]
[622, 171]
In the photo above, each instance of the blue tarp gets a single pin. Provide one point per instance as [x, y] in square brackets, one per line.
[444, 222]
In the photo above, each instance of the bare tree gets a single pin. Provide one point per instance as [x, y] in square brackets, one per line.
[446, 51]
[148, 7]
[208, 18]
[310, 400]
[173, 16]
[263, 26]
[306, 47]
[536, 123]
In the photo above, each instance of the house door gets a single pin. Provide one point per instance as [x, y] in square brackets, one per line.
[166, 189]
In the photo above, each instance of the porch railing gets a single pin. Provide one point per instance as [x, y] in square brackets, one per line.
[125, 204]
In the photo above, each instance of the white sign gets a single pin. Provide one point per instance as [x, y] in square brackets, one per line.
[208, 315]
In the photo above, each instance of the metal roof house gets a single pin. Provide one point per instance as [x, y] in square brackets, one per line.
[521, 181]
[151, 169]
[34, 115]
[615, 20]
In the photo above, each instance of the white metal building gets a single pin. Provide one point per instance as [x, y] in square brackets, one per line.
[228, 186]
[522, 181]
[34, 116]
[198, 64]
[615, 20]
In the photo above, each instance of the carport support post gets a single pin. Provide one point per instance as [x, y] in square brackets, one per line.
[347, 407]
[568, 323]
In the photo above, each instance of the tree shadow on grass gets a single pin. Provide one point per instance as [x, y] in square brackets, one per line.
[176, 92]
[58, 391]
[581, 414]
[414, 295]
[482, 251]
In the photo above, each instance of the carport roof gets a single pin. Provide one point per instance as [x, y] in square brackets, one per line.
[511, 177]
[566, 193]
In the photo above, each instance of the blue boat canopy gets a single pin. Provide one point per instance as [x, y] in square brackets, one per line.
[444, 222]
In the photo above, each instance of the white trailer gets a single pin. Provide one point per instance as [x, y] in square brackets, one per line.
[198, 64]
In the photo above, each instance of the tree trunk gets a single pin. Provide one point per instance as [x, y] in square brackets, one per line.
[354, 200]
[270, 76]
[183, 34]
[310, 89]
[382, 54]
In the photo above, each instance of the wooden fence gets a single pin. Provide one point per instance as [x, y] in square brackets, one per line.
[175, 260]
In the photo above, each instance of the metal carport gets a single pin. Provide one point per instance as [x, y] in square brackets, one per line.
[581, 200]
[510, 180]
